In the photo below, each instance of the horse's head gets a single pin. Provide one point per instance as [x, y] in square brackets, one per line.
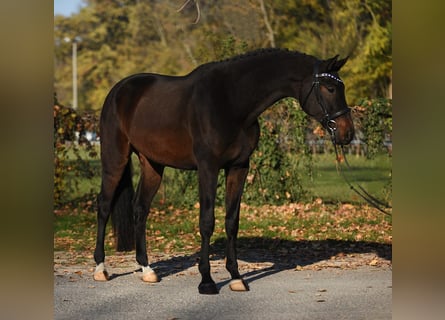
[322, 96]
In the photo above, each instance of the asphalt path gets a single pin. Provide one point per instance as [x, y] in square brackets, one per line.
[364, 292]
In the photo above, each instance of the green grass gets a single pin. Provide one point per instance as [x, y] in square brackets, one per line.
[176, 230]
[373, 175]
[319, 217]
[74, 231]
[326, 183]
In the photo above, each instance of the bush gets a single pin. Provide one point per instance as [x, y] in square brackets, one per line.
[375, 120]
[282, 157]
[71, 161]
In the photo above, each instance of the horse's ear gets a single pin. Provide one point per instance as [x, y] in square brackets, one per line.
[330, 63]
[335, 65]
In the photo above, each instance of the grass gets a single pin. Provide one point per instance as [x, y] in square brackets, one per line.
[374, 175]
[176, 230]
[332, 211]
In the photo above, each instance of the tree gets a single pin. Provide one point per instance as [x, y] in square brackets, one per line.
[361, 30]
[371, 70]
[121, 37]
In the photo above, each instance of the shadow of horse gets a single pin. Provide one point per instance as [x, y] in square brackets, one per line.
[282, 254]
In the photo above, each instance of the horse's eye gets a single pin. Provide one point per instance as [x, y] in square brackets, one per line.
[330, 89]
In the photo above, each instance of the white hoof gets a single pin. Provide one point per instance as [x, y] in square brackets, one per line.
[148, 275]
[238, 285]
[100, 274]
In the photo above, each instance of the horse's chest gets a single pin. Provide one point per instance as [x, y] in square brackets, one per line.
[240, 149]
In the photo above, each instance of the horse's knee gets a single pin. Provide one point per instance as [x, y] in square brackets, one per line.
[206, 227]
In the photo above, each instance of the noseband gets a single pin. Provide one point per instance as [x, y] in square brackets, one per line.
[328, 120]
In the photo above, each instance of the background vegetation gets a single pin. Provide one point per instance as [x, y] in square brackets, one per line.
[285, 168]
[293, 164]
[120, 37]
[117, 38]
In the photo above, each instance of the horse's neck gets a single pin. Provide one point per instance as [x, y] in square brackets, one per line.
[267, 84]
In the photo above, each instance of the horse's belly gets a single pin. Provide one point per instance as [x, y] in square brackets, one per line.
[169, 149]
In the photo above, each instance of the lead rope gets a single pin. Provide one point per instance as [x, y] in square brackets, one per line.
[359, 189]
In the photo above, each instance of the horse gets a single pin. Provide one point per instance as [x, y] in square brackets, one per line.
[206, 121]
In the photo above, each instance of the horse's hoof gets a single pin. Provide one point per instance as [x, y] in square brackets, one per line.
[208, 288]
[101, 276]
[150, 276]
[238, 285]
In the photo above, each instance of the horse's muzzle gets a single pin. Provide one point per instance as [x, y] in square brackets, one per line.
[344, 131]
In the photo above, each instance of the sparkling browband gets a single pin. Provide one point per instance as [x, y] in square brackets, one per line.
[322, 75]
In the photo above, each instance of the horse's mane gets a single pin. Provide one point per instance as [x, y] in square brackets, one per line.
[255, 53]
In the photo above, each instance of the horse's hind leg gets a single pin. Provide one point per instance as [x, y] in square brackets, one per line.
[235, 178]
[104, 210]
[115, 166]
[148, 186]
[103, 214]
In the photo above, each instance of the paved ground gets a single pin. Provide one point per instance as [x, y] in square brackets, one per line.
[327, 290]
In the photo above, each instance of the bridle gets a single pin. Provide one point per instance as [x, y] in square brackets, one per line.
[328, 120]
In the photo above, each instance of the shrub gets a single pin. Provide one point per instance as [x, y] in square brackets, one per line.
[282, 157]
[375, 119]
[71, 161]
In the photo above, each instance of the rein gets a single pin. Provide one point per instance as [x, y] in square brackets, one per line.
[328, 122]
[379, 205]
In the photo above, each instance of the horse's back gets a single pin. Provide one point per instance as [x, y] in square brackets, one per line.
[152, 113]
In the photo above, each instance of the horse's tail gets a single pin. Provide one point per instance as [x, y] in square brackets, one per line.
[122, 217]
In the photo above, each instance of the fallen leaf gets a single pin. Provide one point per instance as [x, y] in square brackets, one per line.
[374, 262]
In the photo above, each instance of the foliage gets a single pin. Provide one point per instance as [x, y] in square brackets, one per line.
[282, 157]
[359, 29]
[282, 168]
[374, 64]
[70, 164]
[117, 38]
[375, 119]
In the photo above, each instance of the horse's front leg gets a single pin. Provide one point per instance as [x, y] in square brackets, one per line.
[207, 191]
[235, 178]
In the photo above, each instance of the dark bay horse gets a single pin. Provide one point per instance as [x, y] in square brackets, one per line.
[204, 121]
